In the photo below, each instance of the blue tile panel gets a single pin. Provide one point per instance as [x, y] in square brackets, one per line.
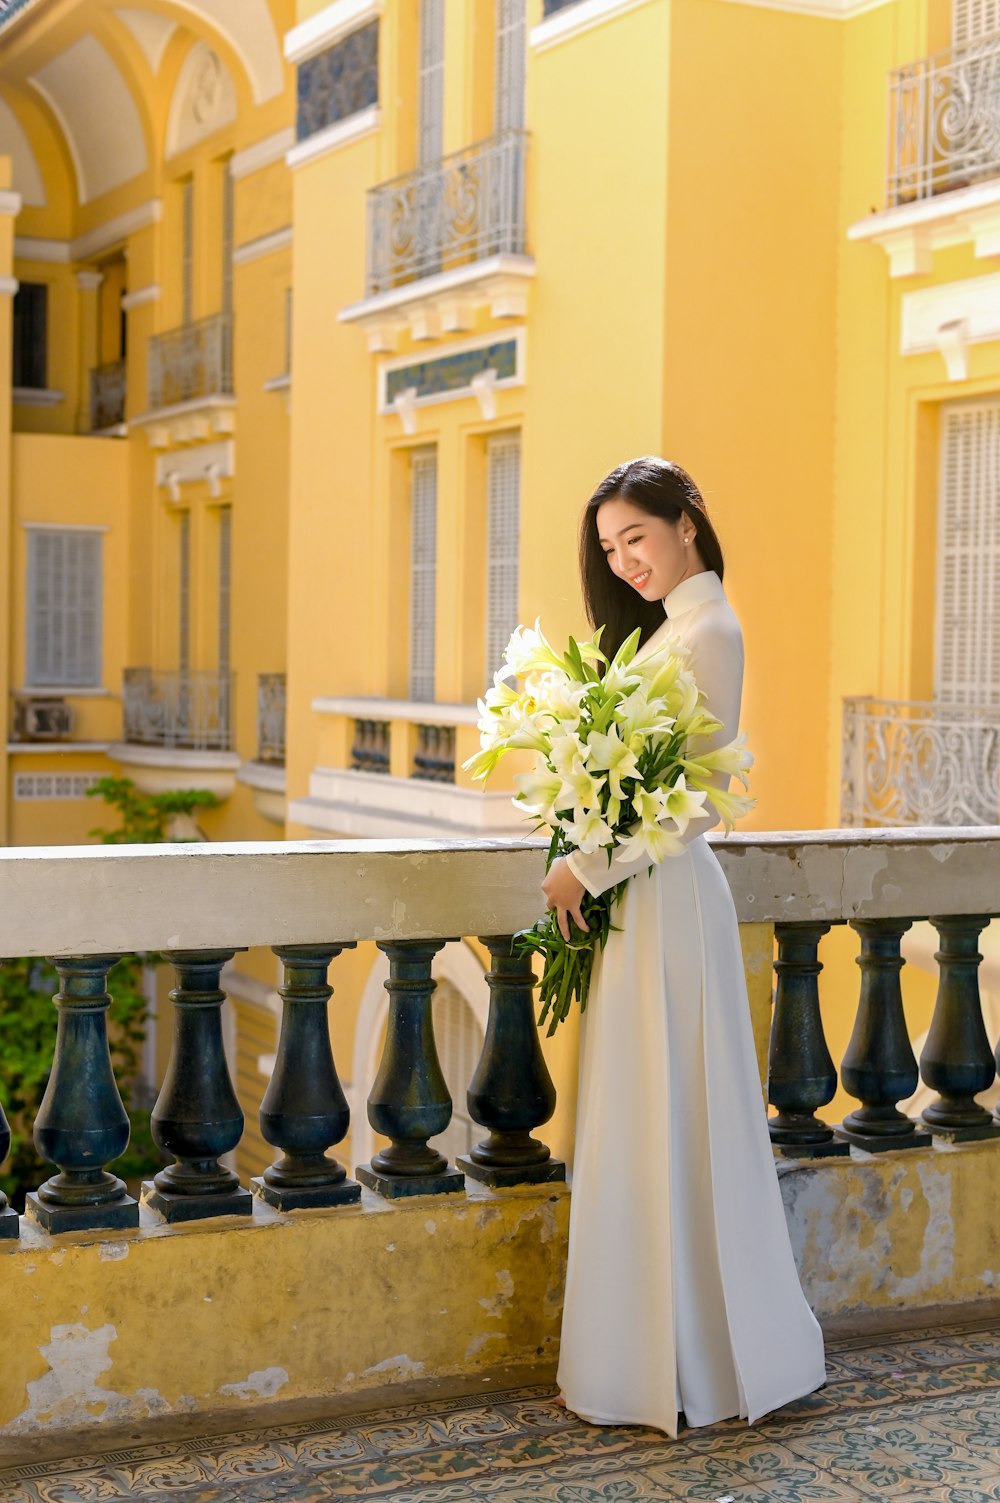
[453, 372]
[551, 6]
[339, 82]
[10, 8]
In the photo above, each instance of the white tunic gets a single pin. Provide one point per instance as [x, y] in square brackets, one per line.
[681, 1287]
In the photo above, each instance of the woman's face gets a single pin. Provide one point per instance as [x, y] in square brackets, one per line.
[648, 552]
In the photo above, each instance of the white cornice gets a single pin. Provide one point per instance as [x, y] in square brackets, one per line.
[335, 136]
[92, 242]
[262, 153]
[10, 202]
[575, 19]
[328, 26]
[264, 245]
[8, 286]
[37, 396]
[30, 248]
[432, 305]
[141, 296]
[832, 10]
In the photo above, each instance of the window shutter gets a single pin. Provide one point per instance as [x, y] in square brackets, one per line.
[423, 571]
[503, 537]
[967, 658]
[459, 1042]
[508, 105]
[227, 238]
[184, 602]
[225, 584]
[64, 608]
[972, 19]
[430, 117]
[187, 251]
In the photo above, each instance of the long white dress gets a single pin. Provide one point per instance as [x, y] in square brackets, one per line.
[681, 1290]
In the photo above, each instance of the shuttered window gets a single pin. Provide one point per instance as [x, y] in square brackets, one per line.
[967, 661]
[430, 96]
[29, 335]
[225, 584]
[187, 251]
[184, 594]
[503, 535]
[974, 18]
[64, 608]
[459, 1042]
[423, 571]
[508, 106]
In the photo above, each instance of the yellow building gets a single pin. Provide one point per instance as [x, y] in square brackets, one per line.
[526, 239]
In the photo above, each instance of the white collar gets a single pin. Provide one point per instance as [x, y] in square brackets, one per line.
[696, 590]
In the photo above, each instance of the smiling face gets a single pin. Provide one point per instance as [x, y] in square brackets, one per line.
[647, 552]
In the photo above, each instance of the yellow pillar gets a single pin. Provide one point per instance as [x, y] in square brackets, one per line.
[89, 283]
[10, 205]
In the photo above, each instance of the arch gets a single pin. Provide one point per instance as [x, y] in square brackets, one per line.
[457, 964]
[204, 99]
[247, 29]
[151, 31]
[86, 93]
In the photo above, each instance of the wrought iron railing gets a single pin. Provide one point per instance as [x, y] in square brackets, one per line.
[944, 121]
[466, 207]
[193, 361]
[919, 763]
[271, 717]
[186, 710]
[107, 395]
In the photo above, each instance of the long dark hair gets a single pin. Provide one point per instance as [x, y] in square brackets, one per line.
[661, 489]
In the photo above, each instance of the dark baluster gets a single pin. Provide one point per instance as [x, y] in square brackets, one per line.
[409, 1101]
[304, 1111]
[81, 1124]
[957, 1060]
[197, 1116]
[879, 1067]
[10, 1222]
[511, 1091]
[800, 1071]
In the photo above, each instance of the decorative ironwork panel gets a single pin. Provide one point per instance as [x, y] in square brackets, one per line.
[467, 207]
[107, 395]
[449, 373]
[193, 361]
[944, 121]
[434, 758]
[271, 717]
[339, 82]
[193, 711]
[912, 763]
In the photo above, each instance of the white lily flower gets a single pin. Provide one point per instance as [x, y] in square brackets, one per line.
[537, 792]
[529, 651]
[588, 831]
[637, 712]
[579, 789]
[612, 754]
[648, 840]
[681, 805]
[567, 750]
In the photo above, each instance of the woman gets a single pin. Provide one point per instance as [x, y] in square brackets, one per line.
[681, 1291]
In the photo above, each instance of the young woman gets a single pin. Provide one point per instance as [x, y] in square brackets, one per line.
[681, 1291]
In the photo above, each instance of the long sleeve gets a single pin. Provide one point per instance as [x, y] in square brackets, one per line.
[716, 660]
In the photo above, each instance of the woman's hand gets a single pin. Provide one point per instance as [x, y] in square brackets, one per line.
[564, 893]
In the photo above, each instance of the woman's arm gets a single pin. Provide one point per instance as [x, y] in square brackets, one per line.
[716, 660]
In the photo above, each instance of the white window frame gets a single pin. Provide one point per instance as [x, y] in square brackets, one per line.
[89, 673]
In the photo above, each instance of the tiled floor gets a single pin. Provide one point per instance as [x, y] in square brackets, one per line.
[914, 1415]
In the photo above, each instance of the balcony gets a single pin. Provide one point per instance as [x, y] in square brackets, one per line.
[919, 763]
[451, 1274]
[266, 775]
[944, 113]
[178, 730]
[107, 396]
[445, 239]
[388, 767]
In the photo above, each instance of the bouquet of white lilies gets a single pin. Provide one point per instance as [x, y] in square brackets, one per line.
[615, 769]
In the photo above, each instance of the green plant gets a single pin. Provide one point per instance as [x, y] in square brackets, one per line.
[145, 817]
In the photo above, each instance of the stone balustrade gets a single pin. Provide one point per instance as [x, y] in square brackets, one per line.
[198, 905]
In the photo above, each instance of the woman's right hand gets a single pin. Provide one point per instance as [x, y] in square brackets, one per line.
[564, 893]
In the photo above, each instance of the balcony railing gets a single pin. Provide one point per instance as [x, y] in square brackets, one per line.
[434, 756]
[197, 905]
[918, 763]
[186, 710]
[944, 121]
[107, 396]
[271, 696]
[193, 361]
[464, 208]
